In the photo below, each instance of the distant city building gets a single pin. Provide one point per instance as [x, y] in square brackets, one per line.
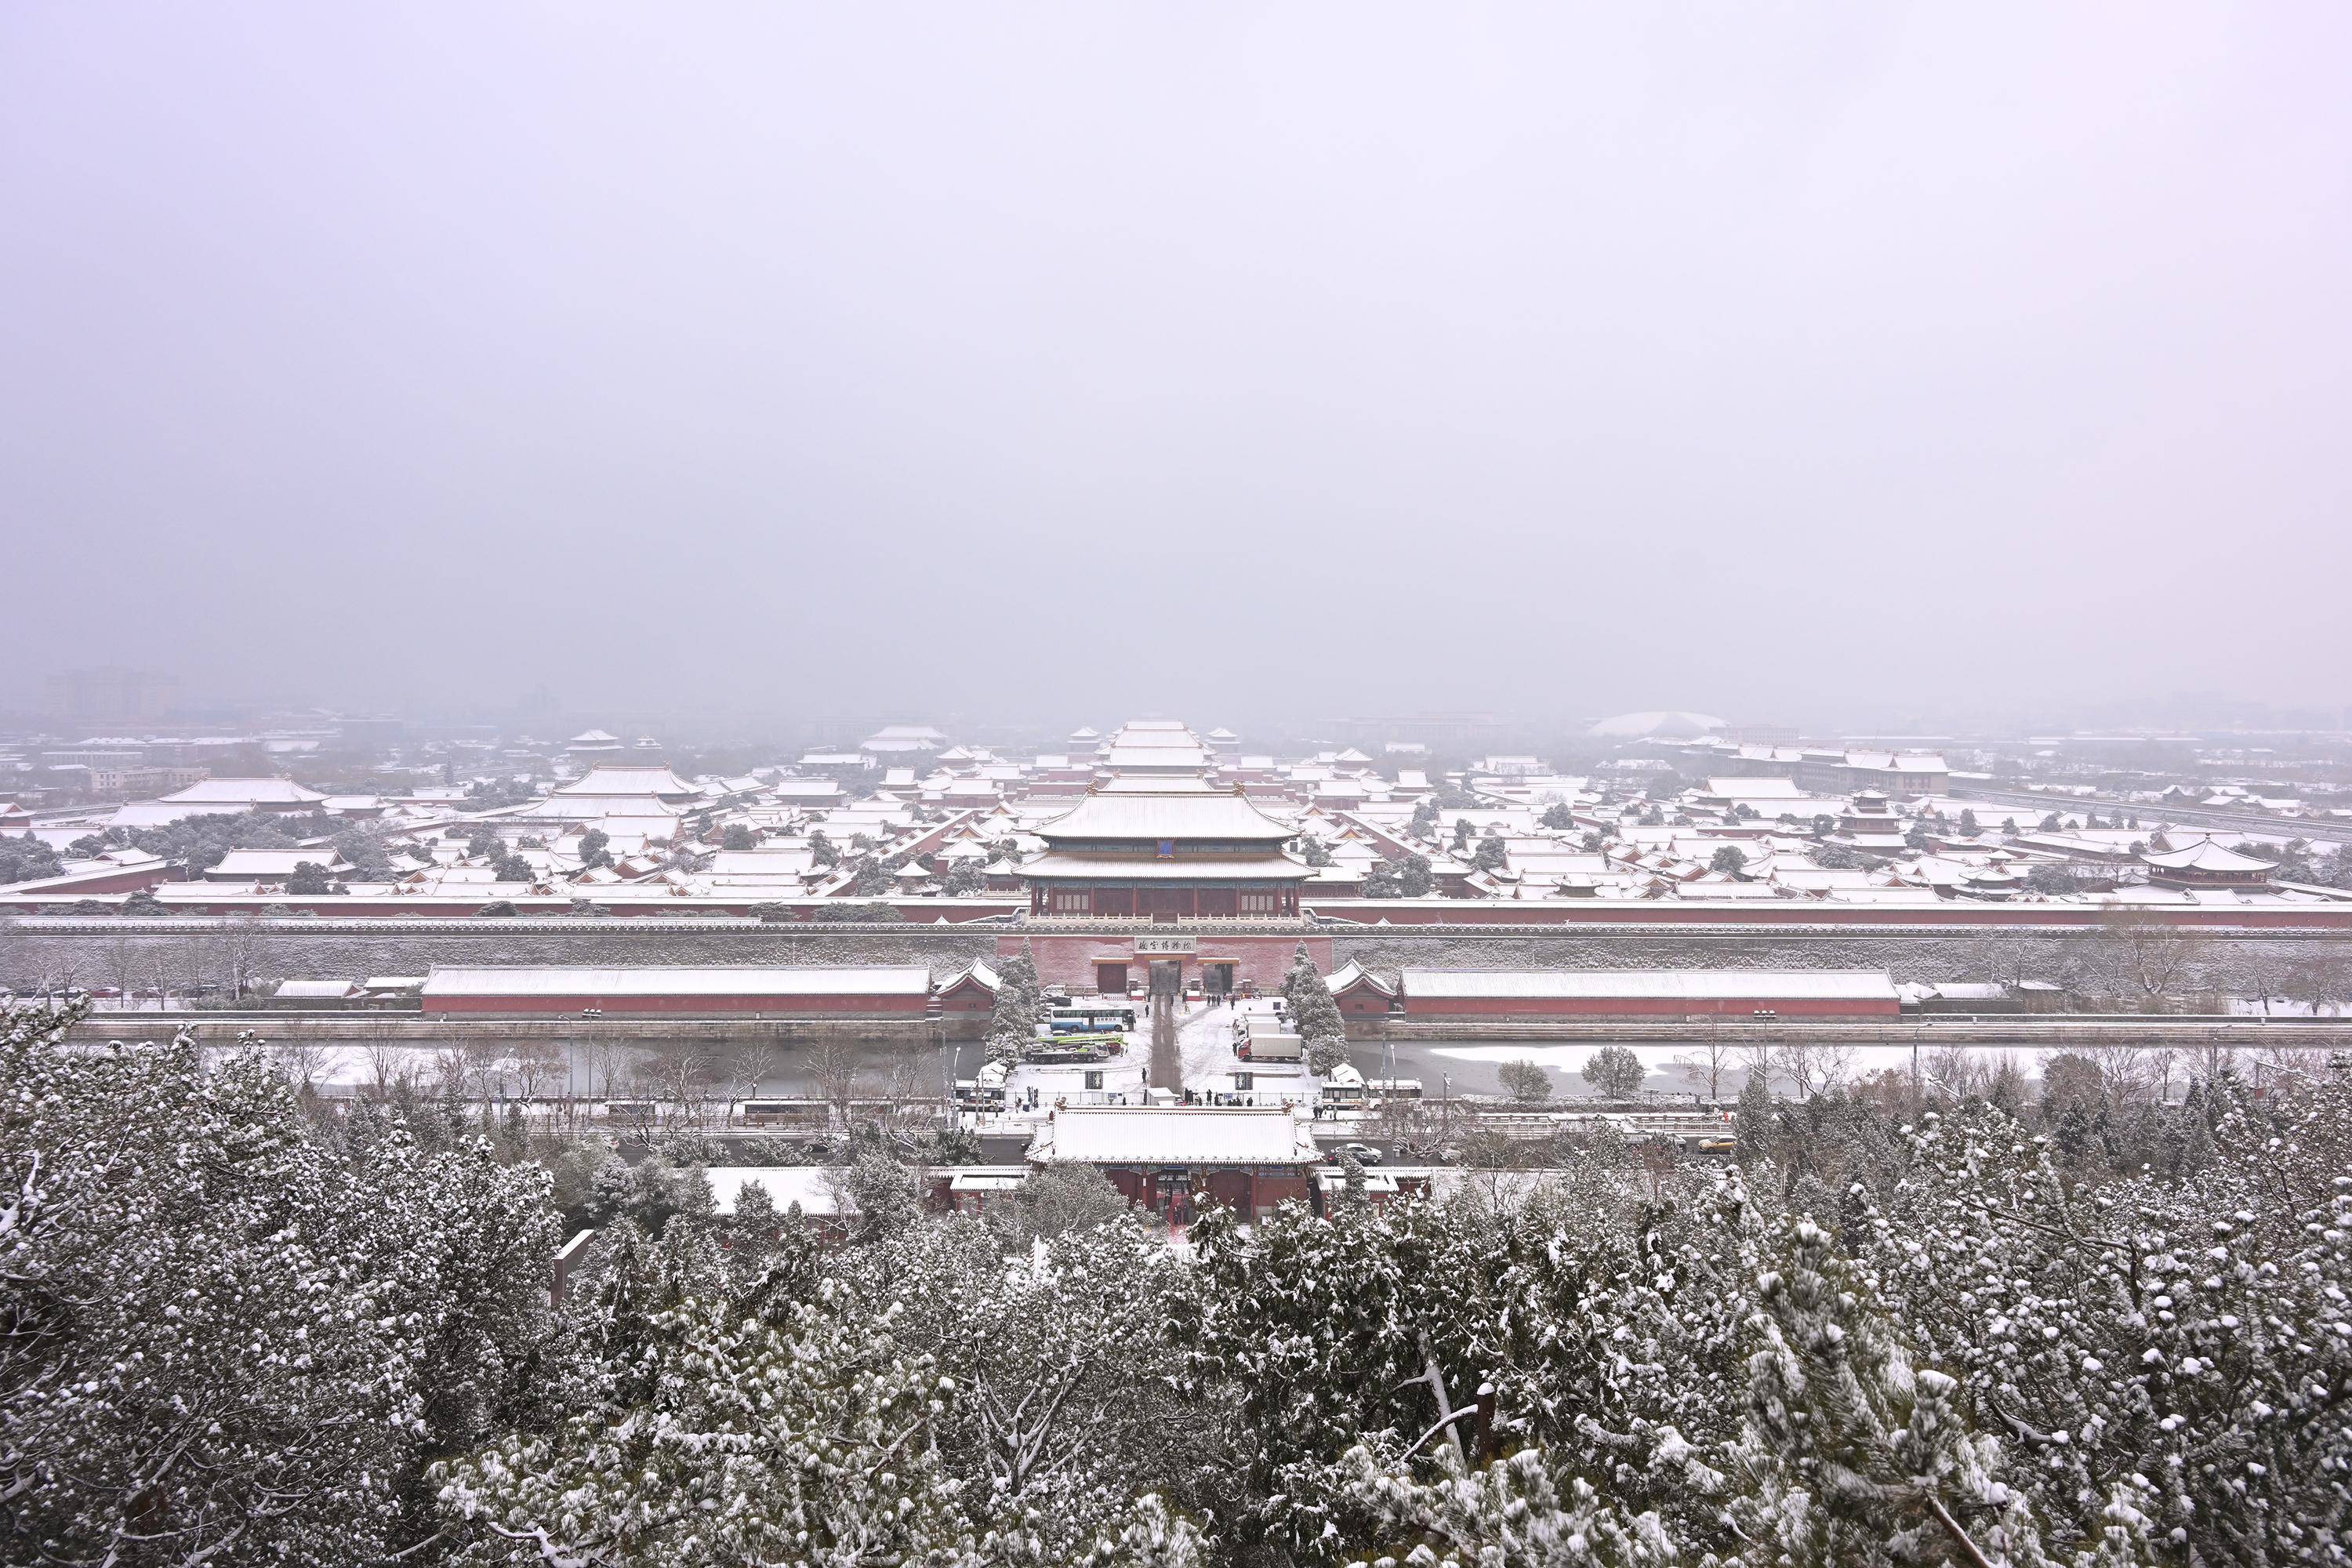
[124, 783]
[373, 731]
[1654, 725]
[1442, 732]
[1904, 775]
[96, 753]
[112, 695]
[893, 739]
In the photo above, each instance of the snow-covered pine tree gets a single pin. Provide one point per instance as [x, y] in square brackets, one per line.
[881, 1194]
[1313, 1014]
[1752, 1127]
[736, 1440]
[1012, 1024]
[1351, 1180]
[1152, 1536]
[1852, 1454]
[228, 1337]
[1062, 1198]
[2185, 1332]
[1064, 1412]
[751, 1230]
[1372, 1326]
[1509, 1514]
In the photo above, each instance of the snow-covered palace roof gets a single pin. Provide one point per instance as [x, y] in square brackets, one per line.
[718, 980]
[1173, 1135]
[1674, 985]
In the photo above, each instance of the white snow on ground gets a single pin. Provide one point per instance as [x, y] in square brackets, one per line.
[1205, 1041]
[1659, 1058]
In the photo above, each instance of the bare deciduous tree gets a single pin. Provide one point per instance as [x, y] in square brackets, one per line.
[2320, 984]
[1948, 1073]
[488, 1067]
[1955, 1073]
[678, 1073]
[750, 1065]
[123, 963]
[607, 1064]
[304, 1062]
[1814, 1067]
[2210, 1058]
[389, 1067]
[833, 1066]
[453, 1072]
[1716, 1052]
[239, 947]
[1999, 960]
[2128, 1068]
[162, 970]
[2156, 959]
[538, 1066]
[1396, 1118]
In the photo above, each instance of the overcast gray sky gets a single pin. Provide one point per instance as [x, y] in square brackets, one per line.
[1222, 360]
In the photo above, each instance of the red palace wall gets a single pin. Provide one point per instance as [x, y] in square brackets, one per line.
[1066, 960]
[778, 1006]
[1554, 914]
[1642, 1007]
[615, 902]
[1805, 913]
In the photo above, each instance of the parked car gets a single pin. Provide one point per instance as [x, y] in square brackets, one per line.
[1364, 1152]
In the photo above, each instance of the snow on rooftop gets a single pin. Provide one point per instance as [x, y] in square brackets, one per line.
[1677, 984]
[2206, 855]
[234, 792]
[716, 980]
[1127, 1134]
[1176, 814]
[276, 862]
[627, 779]
[315, 990]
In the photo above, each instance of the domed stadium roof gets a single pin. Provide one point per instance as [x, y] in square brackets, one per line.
[1673, 726]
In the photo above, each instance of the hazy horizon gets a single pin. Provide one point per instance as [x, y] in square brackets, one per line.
[1780, 363]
